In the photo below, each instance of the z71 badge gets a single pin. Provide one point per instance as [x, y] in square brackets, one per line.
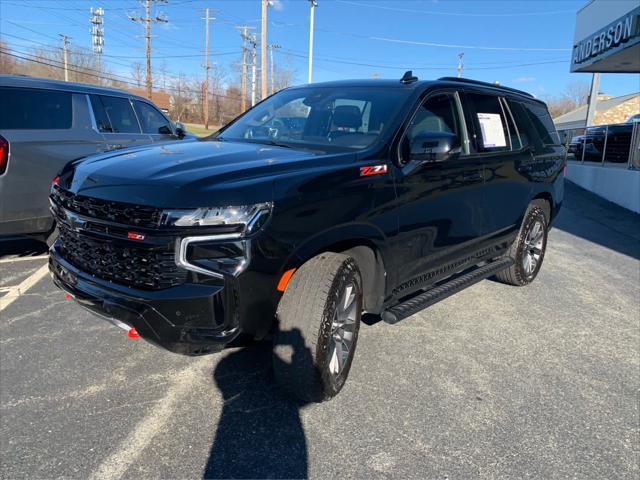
[373, 170]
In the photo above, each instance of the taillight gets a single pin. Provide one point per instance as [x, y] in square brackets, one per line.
[56, 180]
[4, 155]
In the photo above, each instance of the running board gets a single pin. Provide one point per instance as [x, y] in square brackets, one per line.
[428, 298]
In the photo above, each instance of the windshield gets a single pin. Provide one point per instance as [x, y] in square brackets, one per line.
[320, 118]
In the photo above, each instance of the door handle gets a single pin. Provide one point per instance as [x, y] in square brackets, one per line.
[472, 177]
[115, 146]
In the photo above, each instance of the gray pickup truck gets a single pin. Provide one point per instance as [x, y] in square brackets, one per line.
[44, 124]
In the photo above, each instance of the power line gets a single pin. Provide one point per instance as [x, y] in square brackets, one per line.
[148, 20]
[453, 14]
[425, 67]
[110, 77]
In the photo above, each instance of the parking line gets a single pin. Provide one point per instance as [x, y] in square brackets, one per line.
[14, 292]
[117, 464]
[22, 259]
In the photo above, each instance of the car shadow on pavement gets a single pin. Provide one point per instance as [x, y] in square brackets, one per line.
[597, 220]
[259, 432]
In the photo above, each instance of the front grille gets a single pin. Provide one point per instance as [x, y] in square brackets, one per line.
[147, 268]
[118, 212]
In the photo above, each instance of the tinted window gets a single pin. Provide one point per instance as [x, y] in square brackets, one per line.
[522, 121]
[29, 109]
[114, 115]
[492, 133]
[437, 114]
[324, 118]
[151, 120]
[99, 113]
[541, 121]
[513, 131]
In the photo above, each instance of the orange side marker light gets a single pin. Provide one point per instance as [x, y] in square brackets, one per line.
[284, 280]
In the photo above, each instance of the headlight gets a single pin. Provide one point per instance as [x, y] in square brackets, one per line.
[226, 251]
[247, 218]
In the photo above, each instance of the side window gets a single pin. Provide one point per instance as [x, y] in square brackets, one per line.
[522, 121]
[514, 134]
[102, 121]
[151, 120]
[492, 133]
[438, 114]
[118, 113]
[541, 120]
[31, 109]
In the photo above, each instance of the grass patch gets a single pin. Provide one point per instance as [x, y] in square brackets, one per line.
[199, 129]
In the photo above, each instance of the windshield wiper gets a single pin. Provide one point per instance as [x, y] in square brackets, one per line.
[267, 142]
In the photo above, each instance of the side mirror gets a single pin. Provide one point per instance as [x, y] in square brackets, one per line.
[433, 146]
[181, 131]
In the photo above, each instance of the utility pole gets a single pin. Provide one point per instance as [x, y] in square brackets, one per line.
[206, 69]
[97, 35]
[273, 77]
[65, 49]
[254, 54]
[460, 64]
[314, 4]
[245, 37]
[263, 50]
[147, 20]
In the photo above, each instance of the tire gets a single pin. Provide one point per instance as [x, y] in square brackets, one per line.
[529, 247]
[321, 304]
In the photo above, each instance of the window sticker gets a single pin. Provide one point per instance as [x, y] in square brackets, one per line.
[492, 130]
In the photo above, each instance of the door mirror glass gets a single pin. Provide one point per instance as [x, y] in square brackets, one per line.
[181, 131]
[433, 146]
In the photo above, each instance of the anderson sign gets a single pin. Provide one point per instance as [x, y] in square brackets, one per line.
[608, 38]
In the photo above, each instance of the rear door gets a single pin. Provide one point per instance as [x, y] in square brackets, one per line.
[153, 122]
[45, 129]
[505, 154]
[116, 120]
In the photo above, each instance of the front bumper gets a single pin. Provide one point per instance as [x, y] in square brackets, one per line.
[191, 319]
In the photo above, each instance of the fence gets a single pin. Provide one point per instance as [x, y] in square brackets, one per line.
[617, 144]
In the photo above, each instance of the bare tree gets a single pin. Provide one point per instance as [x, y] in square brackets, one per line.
[8, 63]
[137, 73]
[578, 91]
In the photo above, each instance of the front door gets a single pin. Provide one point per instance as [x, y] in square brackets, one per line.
[440, 204]
[118, 123]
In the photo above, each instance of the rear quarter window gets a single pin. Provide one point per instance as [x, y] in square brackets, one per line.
[542, 123]
[34, 109]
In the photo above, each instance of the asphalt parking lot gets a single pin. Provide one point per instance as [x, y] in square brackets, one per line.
[495, 382]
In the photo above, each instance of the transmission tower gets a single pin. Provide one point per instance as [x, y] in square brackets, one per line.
[97, 34]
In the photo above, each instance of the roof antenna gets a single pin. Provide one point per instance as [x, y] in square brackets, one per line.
[408, 77]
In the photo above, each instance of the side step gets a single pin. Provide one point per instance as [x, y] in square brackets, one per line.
[428, 298]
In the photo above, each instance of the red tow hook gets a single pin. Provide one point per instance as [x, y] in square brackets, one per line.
[133, 333]
[67, 296]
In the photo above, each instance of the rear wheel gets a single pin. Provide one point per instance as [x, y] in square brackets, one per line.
[318, 322]
[529, 247]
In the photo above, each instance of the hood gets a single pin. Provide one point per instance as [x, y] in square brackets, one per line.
[193, 174]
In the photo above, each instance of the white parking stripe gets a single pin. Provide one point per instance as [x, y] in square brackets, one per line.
[117, 464]
[14, 292]
[22, 259]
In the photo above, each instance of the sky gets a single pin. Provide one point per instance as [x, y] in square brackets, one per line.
[524, 44]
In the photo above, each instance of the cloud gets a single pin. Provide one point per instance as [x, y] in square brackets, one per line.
[525, 79]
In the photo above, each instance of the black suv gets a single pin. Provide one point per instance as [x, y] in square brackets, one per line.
[321, 203]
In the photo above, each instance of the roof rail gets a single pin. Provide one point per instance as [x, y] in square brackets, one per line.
[486, 84]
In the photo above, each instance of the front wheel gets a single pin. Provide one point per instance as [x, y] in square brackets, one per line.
[318, 322]
[528, 248]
